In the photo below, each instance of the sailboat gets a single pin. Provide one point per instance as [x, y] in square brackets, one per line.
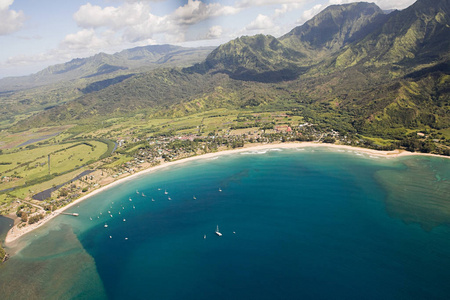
[217, 231]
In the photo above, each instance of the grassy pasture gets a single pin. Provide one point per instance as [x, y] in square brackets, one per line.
[12, 140]
[31, 190]
[379, 141]
[18, 157]
[32, 164]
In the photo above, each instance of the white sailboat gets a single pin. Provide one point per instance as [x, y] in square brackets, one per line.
[217, 231]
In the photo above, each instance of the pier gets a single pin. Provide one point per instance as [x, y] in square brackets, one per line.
[70, 214]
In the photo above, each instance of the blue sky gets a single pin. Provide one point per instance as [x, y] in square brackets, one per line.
[37, 33]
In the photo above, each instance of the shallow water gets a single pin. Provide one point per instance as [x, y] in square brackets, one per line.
[5, 225]
[311, 223]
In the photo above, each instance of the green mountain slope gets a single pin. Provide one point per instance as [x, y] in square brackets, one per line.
[109, 64]
[140, 93]
[259, 58]
[420, 34]
[382, 75]
[333, 28]
[62, 83]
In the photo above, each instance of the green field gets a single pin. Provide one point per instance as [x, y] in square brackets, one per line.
[22, 167]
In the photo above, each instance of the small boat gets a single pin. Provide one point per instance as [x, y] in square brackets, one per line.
[220, 189]
[119, 212]
[165, 192]
[143, 195]
[126, 238]
[130, 199]
[134, 207]
[153, 199]
[90, 218]
[106, 225]
[109, 212]
[217, 231]
[124, 220]
[110, 237]
[195, 198]
[110, 216]
[169, 198]
[204, 237]
[137, 192]
[159, 189]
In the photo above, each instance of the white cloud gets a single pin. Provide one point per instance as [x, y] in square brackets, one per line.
[196, 11]
[93, 16]
[214, 32]
[5, 4]
[84, 39]
[251, 3]
[134, 21]
[10, 20]
[260, 23]
[285, 8]
[310, 13]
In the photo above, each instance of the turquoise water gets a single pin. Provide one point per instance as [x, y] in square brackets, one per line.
[296, 224]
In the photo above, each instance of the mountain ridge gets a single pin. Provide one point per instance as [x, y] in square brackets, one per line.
[386, 82]
[151, 56]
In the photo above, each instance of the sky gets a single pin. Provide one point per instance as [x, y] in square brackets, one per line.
[35, 34]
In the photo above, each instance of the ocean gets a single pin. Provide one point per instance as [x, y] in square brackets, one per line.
[306, 223]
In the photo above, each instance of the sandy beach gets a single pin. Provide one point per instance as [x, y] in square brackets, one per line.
[15, 232]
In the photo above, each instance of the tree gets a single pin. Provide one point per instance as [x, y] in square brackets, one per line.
[2, 253]
[24, 216]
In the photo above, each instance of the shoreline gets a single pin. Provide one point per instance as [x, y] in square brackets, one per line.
[15, 233]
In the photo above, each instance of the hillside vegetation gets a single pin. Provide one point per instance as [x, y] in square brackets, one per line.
[352, 74]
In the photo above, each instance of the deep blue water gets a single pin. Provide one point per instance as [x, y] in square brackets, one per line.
[296, 224]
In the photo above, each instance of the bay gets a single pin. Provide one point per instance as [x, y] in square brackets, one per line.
[300, 223]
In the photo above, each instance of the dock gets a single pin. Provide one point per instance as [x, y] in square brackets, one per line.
[70, 214]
